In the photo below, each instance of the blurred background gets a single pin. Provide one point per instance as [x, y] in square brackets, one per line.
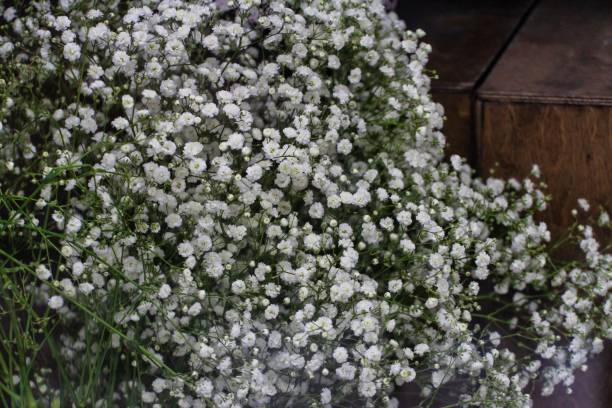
[524, 82]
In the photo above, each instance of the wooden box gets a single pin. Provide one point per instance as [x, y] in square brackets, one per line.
[528, 82]
[466, 37]
[548, 100]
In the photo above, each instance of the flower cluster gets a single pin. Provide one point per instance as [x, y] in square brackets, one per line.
[245, 204]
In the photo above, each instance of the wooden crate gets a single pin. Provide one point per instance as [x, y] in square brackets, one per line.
[467, 37]
[548, 100]
[528, 82]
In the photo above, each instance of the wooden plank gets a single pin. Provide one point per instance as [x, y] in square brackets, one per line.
[458, 124]
[549, 101]
[572, 144]
[466, 37]
[562, 55]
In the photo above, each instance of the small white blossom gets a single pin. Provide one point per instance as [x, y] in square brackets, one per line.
[55, 302]
[72, 52]
[164, 291]
[42, 272]
[271, 312]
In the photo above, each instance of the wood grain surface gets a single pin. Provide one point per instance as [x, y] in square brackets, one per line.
[571, 144]
[466, 36]
[541, 94]
[562, 54]
[548, 100]
[458, 124]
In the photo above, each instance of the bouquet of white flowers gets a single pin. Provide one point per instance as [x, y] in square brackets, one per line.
[245, 204]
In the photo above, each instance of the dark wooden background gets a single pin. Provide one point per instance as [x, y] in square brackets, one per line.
[524, 82]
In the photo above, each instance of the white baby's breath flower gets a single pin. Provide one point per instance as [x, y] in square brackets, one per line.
[164, 291]
[120, 123]
[42, 272]
[271, 312]
[120, 58]
[238, 287]
[192, 149]
[72, 52]
[256, 194]
[55, 302]
[127, 101]
[344, 146]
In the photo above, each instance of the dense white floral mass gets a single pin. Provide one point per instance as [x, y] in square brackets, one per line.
[247, 201]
